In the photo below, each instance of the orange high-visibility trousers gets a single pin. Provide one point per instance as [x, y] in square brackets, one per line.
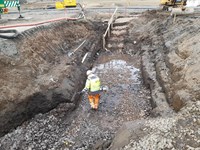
[94, 100]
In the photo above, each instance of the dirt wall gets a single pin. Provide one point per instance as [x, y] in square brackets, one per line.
[169, 58]
[40, 73]
[169, 54]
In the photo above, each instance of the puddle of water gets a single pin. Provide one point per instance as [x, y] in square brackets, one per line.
[121, 68]
[122, 78]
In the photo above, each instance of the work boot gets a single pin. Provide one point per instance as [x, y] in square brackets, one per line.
[92, 105]
[95, 107]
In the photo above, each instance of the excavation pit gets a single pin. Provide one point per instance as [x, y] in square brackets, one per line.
[55, 71]
[148, 76]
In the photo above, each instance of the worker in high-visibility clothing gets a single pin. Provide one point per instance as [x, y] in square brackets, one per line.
[93, 86]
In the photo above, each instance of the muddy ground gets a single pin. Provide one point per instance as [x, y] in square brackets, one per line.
[153, 79]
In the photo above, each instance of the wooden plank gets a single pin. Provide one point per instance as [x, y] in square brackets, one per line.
[108, 30]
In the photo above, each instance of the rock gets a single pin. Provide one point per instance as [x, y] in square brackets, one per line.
[177, 102]
[130, 130]
[198, 121]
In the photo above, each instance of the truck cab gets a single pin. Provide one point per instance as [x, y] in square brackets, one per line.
[172, 3]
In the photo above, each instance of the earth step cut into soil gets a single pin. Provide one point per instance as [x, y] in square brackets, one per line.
[119, 31]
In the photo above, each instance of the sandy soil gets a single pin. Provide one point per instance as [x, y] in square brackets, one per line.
[108, 3]
[34, 12]
[102, 3]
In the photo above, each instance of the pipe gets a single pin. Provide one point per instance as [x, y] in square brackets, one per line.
[179, 11]
[48, 21]
[22, 25]
[9, 36]
[84, 57]
[35, 24]
[71, 53]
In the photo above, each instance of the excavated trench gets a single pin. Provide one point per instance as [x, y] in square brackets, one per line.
[43, 68]
[43, 71]
[39, 69]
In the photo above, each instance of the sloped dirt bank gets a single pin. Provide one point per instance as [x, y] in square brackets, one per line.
[169, 62]
[171, 48]
[38, 72]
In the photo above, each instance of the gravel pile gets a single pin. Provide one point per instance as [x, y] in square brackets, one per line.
[178, 132]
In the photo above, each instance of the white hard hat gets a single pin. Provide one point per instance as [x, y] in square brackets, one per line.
[89, 72]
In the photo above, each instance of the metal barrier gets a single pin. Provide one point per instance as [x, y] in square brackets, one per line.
[108, 30]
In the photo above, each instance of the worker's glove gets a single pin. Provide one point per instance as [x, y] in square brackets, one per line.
[83, 91]
[104, 88]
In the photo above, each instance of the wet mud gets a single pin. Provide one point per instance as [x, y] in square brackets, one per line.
[124, 101]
